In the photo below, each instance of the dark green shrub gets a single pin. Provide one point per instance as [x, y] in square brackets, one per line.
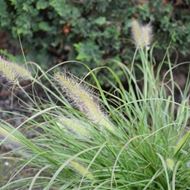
[94, 32]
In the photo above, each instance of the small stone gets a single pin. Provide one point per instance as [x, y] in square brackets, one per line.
[6, 163]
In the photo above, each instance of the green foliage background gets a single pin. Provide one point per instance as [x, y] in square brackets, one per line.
[95, 32]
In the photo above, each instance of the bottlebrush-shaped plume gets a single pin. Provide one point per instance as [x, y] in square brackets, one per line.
[74, 126]
[142, 35]
[12, 71]
[83, 100]
[81, 169]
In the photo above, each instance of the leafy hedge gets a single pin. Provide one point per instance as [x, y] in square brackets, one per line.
[94, 32]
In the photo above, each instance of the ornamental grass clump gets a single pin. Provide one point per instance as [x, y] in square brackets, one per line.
[140, 141]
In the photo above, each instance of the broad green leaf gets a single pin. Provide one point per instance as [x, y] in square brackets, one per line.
[87, 51]
[59, 6]
[42, 4]
[100, 21]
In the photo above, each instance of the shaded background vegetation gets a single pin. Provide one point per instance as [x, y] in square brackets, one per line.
[96, 32]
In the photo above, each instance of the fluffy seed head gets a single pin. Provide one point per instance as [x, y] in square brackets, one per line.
[6, 71]
[142, 35]
[147, 34]
[73, 126]
[81, 169]
[12, 71]
[83, 100]
[170, 163]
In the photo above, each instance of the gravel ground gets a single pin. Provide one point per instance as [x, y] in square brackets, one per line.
[11, 111]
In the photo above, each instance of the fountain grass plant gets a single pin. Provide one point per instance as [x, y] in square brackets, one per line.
[119, 139]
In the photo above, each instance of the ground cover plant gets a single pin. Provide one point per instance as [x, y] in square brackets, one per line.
[88, 138]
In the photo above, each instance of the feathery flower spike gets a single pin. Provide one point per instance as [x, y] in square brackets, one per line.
[12, 71]
[84, 101]
[142, 35]
[73, 126]
[81, 169]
